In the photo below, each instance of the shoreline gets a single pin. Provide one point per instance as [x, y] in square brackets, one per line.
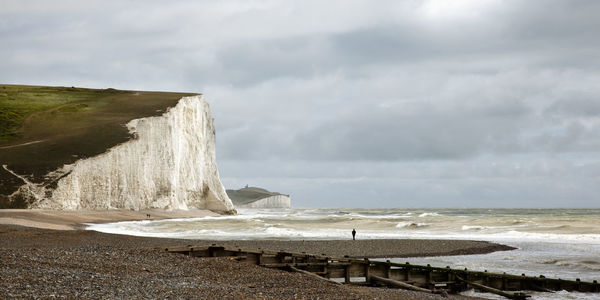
[48, 263]
[72, 262]
[39, 219]
[368, 248]
[76, 219]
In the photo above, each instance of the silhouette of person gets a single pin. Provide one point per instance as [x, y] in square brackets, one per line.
[353, 234]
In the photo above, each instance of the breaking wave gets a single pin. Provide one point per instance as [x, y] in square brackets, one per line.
[556, 243]
[502, 225]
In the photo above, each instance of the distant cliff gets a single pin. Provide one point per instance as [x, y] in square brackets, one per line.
[254, 197]
[167, 160]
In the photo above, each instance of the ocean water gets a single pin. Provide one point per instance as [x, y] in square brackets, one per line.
[556, 243]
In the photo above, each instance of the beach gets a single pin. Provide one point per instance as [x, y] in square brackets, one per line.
[46, 263]
[76, 219]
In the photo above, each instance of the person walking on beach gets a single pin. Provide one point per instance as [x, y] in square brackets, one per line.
[353, 234]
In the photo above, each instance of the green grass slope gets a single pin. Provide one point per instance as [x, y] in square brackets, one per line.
[43, 128]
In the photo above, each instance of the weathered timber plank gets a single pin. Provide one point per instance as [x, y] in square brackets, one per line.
[313, 275]
[516, 296]
[283, 265]
[399, 284]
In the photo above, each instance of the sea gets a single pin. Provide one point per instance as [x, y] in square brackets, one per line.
[556, 243]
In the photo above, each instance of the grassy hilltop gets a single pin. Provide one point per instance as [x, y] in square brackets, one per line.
[43, 128]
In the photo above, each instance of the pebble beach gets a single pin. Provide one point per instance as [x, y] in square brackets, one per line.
[39, 263]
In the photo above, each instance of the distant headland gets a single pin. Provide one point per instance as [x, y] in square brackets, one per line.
[255, 197]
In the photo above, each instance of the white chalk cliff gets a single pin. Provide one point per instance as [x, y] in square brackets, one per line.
[277, 201]
[255, 197]
[170, 163]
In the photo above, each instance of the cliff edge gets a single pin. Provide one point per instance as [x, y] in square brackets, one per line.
[166, 161]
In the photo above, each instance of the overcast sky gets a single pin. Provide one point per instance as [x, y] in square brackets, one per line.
[352, 103]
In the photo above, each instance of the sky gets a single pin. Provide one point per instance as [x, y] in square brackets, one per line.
[399, 104]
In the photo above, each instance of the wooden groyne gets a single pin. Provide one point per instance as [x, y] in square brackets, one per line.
[407, 276]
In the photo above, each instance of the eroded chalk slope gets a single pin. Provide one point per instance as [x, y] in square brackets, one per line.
[169, 164]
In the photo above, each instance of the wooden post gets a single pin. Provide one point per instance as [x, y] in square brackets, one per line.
[521, 285]
[347, 274]
[388, 269]
[213, 250]
[428, 275]
[367, 267]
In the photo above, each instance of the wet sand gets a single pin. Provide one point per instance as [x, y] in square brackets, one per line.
[44, 263]
[369, 248]
[75, 219]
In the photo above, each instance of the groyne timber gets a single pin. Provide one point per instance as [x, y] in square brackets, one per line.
[407, 276]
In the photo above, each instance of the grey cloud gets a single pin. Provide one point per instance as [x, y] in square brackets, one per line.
[571, 136]
[395, 44]
[548, 20]
[424, 135]
[383, 99]
[578, 106]
[380, 137]
[502, 44]
[256, 61]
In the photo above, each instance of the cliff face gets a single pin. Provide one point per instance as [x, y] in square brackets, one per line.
[169, 164]
[277, 201]
[254, 197]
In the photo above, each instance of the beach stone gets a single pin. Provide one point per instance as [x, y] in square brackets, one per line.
[91, 265]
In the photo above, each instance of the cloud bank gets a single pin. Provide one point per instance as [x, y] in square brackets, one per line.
[352, 103]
